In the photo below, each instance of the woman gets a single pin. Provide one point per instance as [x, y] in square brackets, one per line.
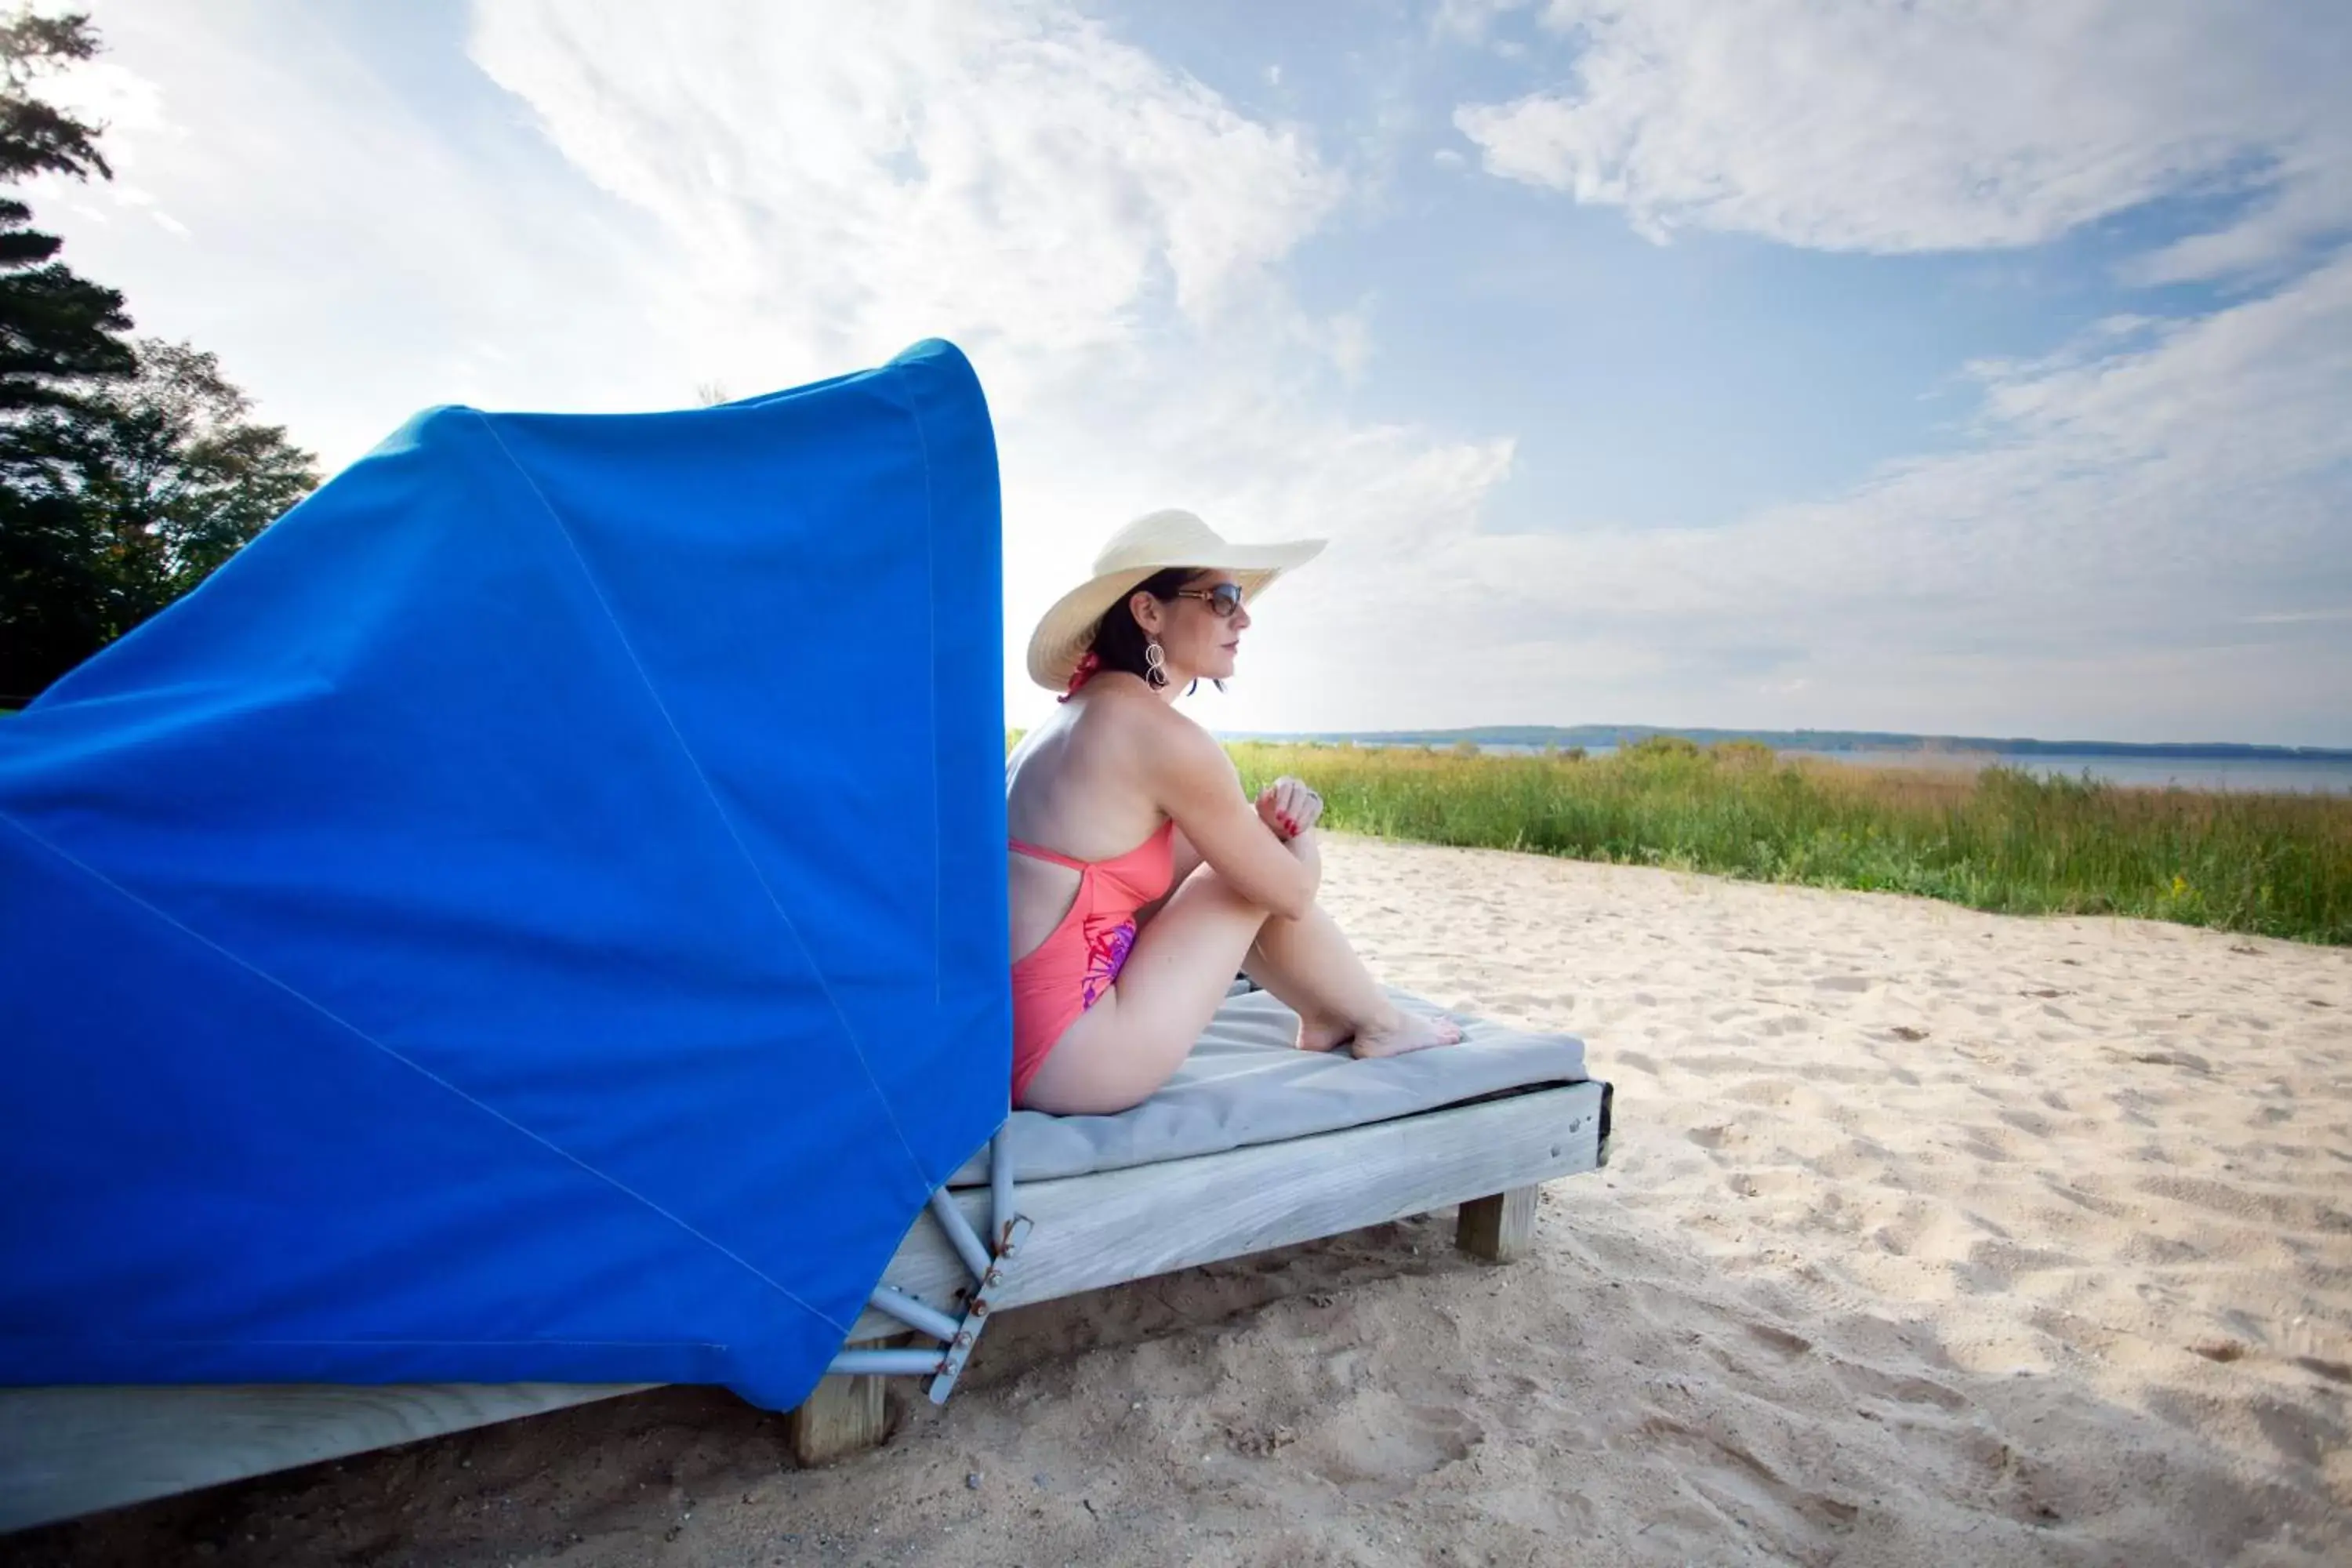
[1143, 877]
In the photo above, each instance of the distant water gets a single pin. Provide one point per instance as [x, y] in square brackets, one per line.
[2245, 775]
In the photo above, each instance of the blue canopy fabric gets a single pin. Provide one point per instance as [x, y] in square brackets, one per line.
[537, 914]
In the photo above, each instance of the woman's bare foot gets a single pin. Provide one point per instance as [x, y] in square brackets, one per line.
[1411, 1032]
[1394, 1035]
[1322, 1034]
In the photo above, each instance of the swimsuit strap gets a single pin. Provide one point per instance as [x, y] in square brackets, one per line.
[1037, 852]
[1034, 853]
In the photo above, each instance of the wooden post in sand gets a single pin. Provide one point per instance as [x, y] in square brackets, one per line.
[1499, 1229]
[844, 1416]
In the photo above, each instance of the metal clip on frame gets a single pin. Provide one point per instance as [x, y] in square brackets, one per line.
[988, 1268]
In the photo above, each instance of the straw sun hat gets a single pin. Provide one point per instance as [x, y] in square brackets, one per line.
[1149, 544]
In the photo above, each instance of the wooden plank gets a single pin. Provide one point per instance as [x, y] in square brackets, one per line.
[1499, 1228]
[844, 1416]
[70, 1451]
[1116, 1226]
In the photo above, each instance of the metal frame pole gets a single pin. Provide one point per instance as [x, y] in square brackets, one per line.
[999, 1184]
[960, 1236]
[889, 1363]
[987, 1264]
[913, 1311]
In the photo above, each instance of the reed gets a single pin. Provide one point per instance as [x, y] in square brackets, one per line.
[1996, 840]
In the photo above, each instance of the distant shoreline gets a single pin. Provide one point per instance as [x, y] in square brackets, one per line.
[1615, 735]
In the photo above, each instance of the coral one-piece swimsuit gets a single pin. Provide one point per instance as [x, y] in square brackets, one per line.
[1074, 968]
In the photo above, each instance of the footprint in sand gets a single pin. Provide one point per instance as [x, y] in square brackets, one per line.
[1730, 1475]
[2187, 1062]
[1781, 1340]
[2302, 1437]
[1903, 1388]
[1381, 1454]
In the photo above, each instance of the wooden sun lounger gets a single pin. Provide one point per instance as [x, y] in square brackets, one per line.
[66, 1451]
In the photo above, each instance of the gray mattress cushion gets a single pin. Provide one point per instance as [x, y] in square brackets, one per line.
[1247, 1083]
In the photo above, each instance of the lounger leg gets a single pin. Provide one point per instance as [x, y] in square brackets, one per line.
[844, 1416]
[1499, 1229]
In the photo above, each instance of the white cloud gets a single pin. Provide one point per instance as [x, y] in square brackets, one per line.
[1943, 123]
[652, 201]
[104, 92]
[1103, 234]
[2149, 534]
[2092, 557]
[353, 255]
[2143, 535]
[2299, 618]
[835, 179]
[1470, 19]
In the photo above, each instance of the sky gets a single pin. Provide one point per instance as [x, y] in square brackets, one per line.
[1955, 366]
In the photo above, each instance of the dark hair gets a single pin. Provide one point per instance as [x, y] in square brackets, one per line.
[1120, 641]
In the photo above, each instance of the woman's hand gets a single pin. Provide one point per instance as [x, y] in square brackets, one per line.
[1288, 807]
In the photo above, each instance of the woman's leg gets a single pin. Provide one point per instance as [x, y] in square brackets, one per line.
[1310, 968]
[1129, 1043]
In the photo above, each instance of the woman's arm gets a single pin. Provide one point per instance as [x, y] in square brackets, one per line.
[1195, 782]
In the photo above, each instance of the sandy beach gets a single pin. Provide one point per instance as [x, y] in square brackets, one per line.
[1930, 1237]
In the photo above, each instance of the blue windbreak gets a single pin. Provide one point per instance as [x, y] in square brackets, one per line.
[536, 914]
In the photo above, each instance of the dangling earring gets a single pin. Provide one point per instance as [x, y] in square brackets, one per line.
[1155, 666]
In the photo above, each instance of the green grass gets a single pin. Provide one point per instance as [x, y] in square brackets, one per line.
[2000, 839]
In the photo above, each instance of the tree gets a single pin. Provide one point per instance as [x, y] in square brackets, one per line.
[115, 502]
[37, 137]
[127, 473]
[55, 328]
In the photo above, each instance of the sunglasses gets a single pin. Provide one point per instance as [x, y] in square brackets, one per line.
[1222, 600]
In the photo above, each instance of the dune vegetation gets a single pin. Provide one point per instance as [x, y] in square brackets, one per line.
[1995, 839]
